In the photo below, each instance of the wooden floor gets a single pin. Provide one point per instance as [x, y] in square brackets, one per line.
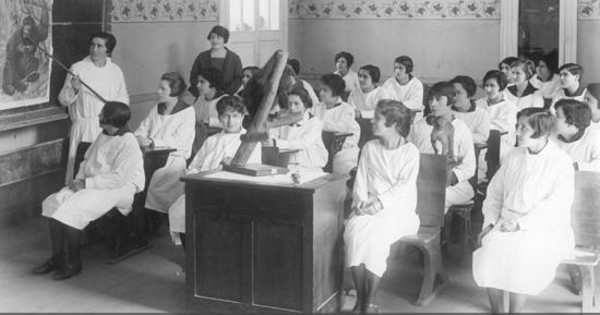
[149, 282]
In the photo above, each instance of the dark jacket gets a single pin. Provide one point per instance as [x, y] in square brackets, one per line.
[232, 71]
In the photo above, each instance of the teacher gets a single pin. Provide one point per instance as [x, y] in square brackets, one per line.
[102, 75]
[218, 56]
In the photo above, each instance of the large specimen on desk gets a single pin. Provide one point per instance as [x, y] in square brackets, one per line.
[263, 94]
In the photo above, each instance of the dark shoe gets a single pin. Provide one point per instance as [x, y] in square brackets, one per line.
[50, 265]
[68, 271]
[576, 279]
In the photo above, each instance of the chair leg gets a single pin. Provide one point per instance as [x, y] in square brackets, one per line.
[466, 239]
[433, 272]
[588, 302]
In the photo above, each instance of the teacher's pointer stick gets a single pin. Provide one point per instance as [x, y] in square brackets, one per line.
[67, 69]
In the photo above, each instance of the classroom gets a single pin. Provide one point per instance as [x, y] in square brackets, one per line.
[340, 156]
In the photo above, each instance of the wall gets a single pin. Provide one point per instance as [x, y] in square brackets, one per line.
[588, 35]
[157, 37]
[441, 37]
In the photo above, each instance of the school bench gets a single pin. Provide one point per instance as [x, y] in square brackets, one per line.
[585, 220]
[125, 236]
[431, 190]
[333, 141]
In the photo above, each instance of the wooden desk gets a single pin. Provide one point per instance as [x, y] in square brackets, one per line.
[264, 247]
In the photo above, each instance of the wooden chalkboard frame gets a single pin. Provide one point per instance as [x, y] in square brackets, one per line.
[67, 14]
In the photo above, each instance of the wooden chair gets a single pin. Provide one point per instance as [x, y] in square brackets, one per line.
[431, 186]
[463, 228]
[366, 131]
[333, 141]
[585, 219]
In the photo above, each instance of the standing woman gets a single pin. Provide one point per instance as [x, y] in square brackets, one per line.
[343, 61]
[102, 75]
[171, 124]
[385, 200]
[218, 56]
[570, 83]
[404, 87]
[522, 93]
[527, 216]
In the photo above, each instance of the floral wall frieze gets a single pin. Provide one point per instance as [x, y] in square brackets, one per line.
[395, 9]
[135, 11]
[588, 9]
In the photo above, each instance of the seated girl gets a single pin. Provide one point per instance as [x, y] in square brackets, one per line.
[217, 150]
[503, 113]
[546, 79]
[527, 216]
[505, 66]
[295, 65]
[465, 109]
[343, 62]
[210, 88]
[385, 200]
[404, 87]
[305, 135]
[247, 74]
[575, 136]
[169, 124]
[111, 173]
[570, 84]
[462, 157]
[522, 93]
[365, 99]
[592, 98]
[339, 116]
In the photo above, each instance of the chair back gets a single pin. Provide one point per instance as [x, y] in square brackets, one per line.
[585, 212]
[431, 189]
[80, 155]
[492, 157]
[366, 131]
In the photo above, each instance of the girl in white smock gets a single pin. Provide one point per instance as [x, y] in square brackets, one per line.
[169, 124]
[106, 78]
[527, 216]
[365, 99]
[216, 150]
[343, 61]
[384, 200]
[522, 93]
[570, 84]
[404, 87]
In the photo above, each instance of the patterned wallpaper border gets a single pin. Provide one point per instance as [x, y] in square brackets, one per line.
[588, 9]
[156, 11]
[394, 9]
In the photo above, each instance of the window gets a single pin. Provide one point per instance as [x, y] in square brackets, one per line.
[253, 15]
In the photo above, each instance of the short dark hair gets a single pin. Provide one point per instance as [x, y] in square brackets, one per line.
[539, 119]
[594, 90]
[233, 103]
[295, 64]
[497, 75]
[213, 75]
[467, 83]
[395, 112]
[526, 65]
[572, 68]
[373, 71]
[346, 55]
[116, 114]
[549, 60]
[407, 62]
[28, 20]
[176, 83]
[303, 94]
[335, 83]
[443, 89]
[576, 113]
[220, 31]
[508, 61]
[109, 40]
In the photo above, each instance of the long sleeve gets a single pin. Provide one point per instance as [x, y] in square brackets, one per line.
[506, 120]
[183, 137]
[538, 100]
[121, 95]
[145, 126]
[81, 173]
[198, 160]
[127, 167]
[556, 206]
[466, 169]
[414, 96]
[399, 190]
[311, 134]
[360, 190]
[592, 162]
[236, 80]
[482, 130]
[494, 200]
[67, 95]
[345, 121]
